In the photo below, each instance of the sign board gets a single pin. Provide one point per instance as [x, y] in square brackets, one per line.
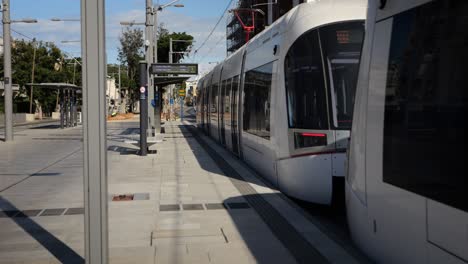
[171, 101]
[182, 92]
[174, 68]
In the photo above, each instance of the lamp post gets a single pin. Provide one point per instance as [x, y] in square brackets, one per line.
[32, 77]
[7, 66]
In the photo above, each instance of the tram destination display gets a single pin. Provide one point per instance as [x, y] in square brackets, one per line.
[174, 68]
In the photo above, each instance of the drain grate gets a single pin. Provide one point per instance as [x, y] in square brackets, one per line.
[122, 197]
[53, 212]
[28, 213]
[238, 205]
[200, 207]
[191, 207]
[169, 207]
[37, 212]
[74, 211]
[215, 206]
[129, 197]
[12, 213]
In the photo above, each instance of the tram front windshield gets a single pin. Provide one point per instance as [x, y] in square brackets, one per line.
[321, 70]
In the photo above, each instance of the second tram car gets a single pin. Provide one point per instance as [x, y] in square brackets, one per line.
[284, 101]
[407, 187]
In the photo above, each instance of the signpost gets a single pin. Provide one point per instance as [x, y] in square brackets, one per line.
[168, 69]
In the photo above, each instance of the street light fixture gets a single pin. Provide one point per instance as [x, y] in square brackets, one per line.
[5, 9]
[55, 19]
[131, 23]
[24, 20]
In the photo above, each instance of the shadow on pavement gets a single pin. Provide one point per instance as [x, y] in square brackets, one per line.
[46, 127]
[197, 141]
[56, 247]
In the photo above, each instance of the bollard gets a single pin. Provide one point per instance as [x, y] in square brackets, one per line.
[143, 108]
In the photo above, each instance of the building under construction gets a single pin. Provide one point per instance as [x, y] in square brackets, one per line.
[251, 17]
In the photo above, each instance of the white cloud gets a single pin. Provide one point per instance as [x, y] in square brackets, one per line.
[213, 51]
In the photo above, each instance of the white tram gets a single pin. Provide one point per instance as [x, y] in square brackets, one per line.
[407, 183]
[284, 101]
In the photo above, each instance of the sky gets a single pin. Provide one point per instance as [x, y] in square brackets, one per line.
[197, 18]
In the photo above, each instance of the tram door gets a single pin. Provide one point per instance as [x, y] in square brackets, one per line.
[221, 112]
[207, 106]
[234, 115]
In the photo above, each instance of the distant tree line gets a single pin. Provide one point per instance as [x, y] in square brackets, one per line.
[50, 65]
[131, 52]
[53, 65]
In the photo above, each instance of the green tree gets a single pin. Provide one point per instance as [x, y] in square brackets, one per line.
[49, 66]
[131, 53]
[164, 41]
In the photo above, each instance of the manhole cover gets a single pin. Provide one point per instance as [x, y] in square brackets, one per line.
[122, 197]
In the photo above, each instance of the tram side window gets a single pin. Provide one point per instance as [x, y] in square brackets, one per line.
[305, 85]
[341, 45]
[426, 103]
[214, 103]
[257, 91]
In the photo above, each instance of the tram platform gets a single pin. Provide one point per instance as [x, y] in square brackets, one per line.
[188, 201]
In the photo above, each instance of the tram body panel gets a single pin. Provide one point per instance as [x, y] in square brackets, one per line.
[307, 178]
[267, 141]
[401, 207]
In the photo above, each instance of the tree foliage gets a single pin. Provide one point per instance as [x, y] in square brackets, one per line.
[164, 41]
[50, 65]
[131, 52]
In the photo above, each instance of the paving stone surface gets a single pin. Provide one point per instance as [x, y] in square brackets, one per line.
[185, 209]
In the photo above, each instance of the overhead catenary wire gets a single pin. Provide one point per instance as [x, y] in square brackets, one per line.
[223, 37]
[33, 39]
[214, 28]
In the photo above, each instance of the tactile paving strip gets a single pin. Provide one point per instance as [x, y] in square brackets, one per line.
[45, 212]
[199, 207]
[299, 247]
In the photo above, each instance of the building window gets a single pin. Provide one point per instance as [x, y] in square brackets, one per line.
[257, 92]
[426, 103]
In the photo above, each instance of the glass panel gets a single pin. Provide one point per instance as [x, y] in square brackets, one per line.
[257, 90]
[341, 45]
[305, 86]
[426, 103]
[227, 104]
[235, 98]
[214, 104]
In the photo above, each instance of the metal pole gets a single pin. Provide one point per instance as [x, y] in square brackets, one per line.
[7, 71]
[70, 103]
[62, 111]
[172, 85]
[32, 77]
[74, 71]
[143, 108]
[149, 60]
[157, 112]
[93, 45]
[66, 106]
[181, 109]
[73, 107]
